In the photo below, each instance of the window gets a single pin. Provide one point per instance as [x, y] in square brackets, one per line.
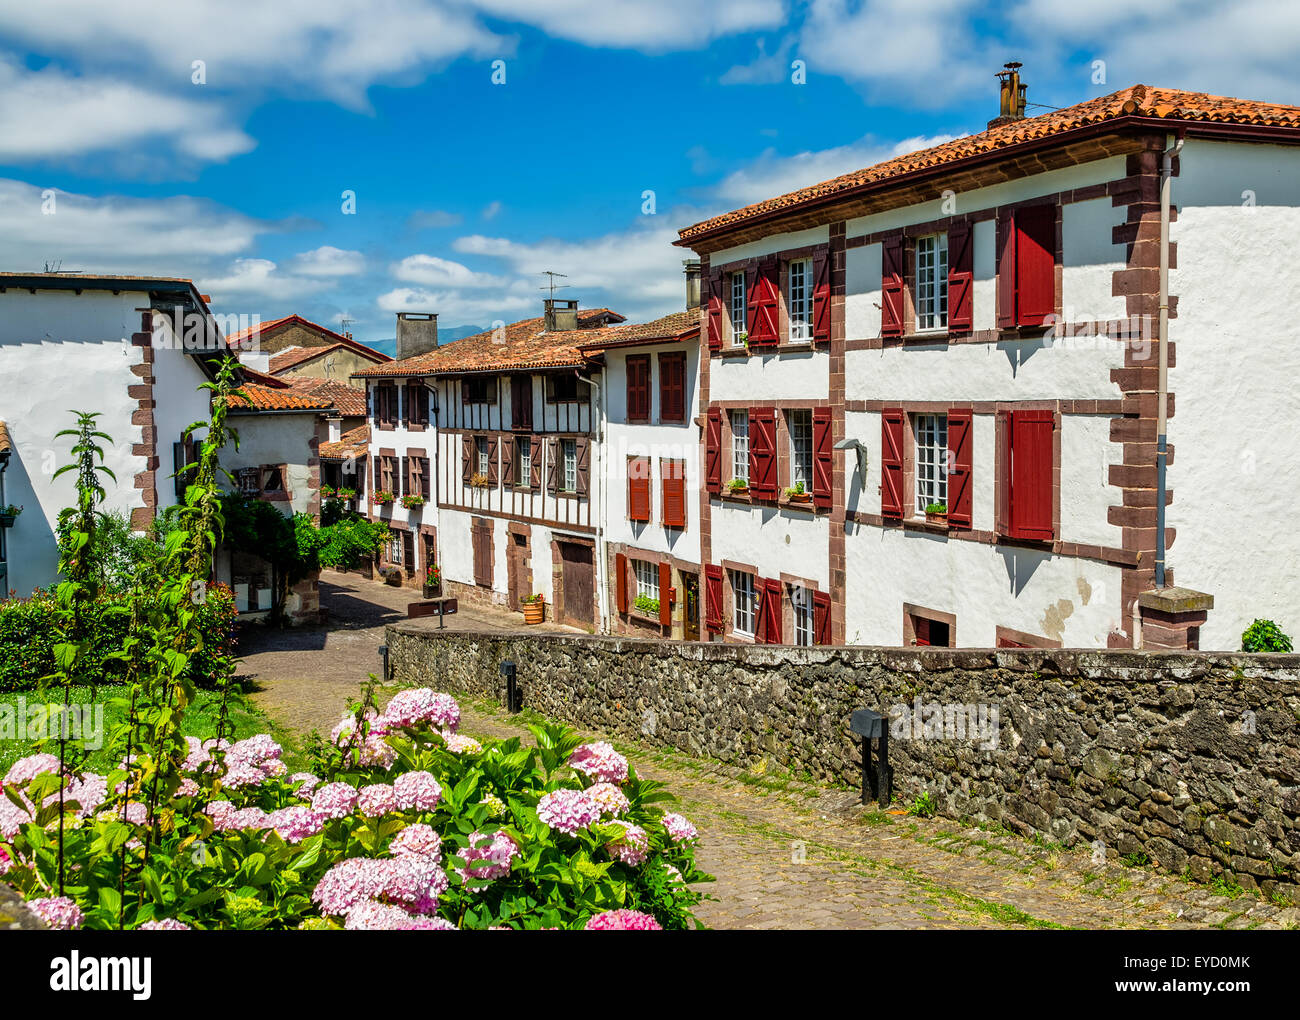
[523, 460]
[481, 449]
[800, 300]
[672, 387]
[931, 460]
[272, 479]
[638, 387]
[738, 310]
[740, 445]
[476, 391]
[647, 579]
[570, 447]
[521, 401]
[566, 389]
[417, 403]
[932, 282]
[801, 449]
[801, 603]
[395, 548]
[746, 600]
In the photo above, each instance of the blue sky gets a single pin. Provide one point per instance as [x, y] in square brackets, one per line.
[465, 189]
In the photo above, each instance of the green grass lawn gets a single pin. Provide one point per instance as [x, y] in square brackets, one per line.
[200, 721]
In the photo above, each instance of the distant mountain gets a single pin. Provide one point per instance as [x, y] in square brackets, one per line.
[446, 334]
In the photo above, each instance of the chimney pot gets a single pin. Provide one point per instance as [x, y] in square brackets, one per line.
[560, 314]
[1011, 95]
[692, 270]
[417, 333]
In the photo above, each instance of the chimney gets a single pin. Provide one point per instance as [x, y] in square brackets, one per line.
[561, 314]
[692, 271]
[1011, 100]
[417, 333]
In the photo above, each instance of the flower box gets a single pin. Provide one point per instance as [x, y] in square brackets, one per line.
[9, 514]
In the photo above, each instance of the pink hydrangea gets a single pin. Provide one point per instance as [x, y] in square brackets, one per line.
[89, 790]
[334, 800]
[416, 791]
[57, 911]
[679, 829]
[488, 856]
[136, 814]
[254, 751]
[197, 755]
[418, 839]
[24, 770]
[308, 783]
[165, 924]
[567, 810]
[371, 915]
[376, 752]
[623, 920]
[346, 884]
[248, 818]
[373, 750]
[632, 847]
[458, 744]
[421, 705]
[376, 799]
[6, 860]
[11, 817]
[296, 823]
[413, 881]
[342, 733]
[611, 800]
[187, 788]
[599, 761]
[219, 811]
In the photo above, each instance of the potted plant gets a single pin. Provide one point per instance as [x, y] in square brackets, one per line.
[346, 494]
[433, 582]
[382, 497]
[327, 492]
[645, 604]
[534, 608]
[797, 493]
[737, 486]
[936, 513]
[8, 514]
[412, 502]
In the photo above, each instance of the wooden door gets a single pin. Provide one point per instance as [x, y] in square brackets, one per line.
[691, 613]
[517, 570]
[579, 575]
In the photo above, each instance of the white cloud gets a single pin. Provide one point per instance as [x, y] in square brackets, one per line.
[456, 308]
[765, 69]
[772, 174]
[432, 219]
[252, 278]
[328, 261]
[431, 271]
[491, 210]
[49, 114]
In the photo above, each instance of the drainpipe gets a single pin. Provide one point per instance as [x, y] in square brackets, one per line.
[598, 412]
[1162, 395]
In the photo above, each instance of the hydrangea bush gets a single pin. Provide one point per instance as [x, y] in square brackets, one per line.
[403, 824]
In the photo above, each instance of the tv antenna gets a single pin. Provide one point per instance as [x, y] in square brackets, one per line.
[552, 286]
[344, 323]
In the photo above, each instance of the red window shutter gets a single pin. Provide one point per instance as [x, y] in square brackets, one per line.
[762, 453]
[713, 452]
[534, 480]
[674, 493]
[620, 577]
[1007, 270]
[638, 489]
[715, 310]
[764, 300]
[521, 401]
[377, 480]
[665, 594]
[960, 427]
[583, 452]
[891, 462]
[1003, 499]
[672, 386]
[821, 618]
[404, 483]
[466, 458]
[1035, 264]
[426, 479]
[770, 610]
[714, 621]
[821, 297]
[891, 287]
[638, 387]
[1032, 460]
[961, 274]
[492, 460]
[823, 459]
[508, 463]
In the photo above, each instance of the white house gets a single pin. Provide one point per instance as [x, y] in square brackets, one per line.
[962, 348]
[135, 349]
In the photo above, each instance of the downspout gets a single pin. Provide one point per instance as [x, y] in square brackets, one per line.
[598, 411]
[1162, 386]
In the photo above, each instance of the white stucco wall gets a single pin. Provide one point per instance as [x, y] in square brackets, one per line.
[787, 375]
[276, 439]
[771, 244]
[775, 541]
[1236, 430]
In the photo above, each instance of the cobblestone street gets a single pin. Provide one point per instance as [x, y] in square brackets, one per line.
[785, 854]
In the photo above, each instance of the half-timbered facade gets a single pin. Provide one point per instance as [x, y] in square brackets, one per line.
[958, 353]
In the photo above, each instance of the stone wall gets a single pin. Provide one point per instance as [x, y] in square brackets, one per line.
[1191, 759]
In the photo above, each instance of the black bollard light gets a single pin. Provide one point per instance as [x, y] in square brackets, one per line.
[514, 700]
[877, 777]
[383, 654]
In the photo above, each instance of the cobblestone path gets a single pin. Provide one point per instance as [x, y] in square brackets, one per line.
[785, 854]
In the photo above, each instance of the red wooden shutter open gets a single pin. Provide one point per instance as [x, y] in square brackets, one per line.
[713, 452]
[823, 459]
[713, 612]
[1007, 269]
[764, 302]
[960, 427]
[638, 388]
[665, 594]
[426, 478]
[508, 462]
[582, 449]
[762, 453]
[492, 461]
[821, 618]
[891, 462]
[553, 452]
[1035, 264]
[821, 297]
[403, 487]
[672, 386]
[377, 481]
[1032, 460]
[467, 464]
[715, 310]
[534, 479]
[891, 287]
[638, 489]
[674, 493]
[620, 578]
[961, 274]
[770, 610]
[1003, 495]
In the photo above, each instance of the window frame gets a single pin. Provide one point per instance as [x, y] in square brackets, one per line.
[650, 588]
[482, 455]
[523, 454]
[797, 419]
[744, 602]
[930, 455]
[568, 457]
[471, 382]
[738, 303]
[931, 283]
[803, 615]
[739, 438]
[799, 307]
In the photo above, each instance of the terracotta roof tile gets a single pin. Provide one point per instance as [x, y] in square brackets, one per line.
[677, 326]
[267, 398]
[353, 443]
[522, 346]
[246, 338]
[348, 400]
[1136, 101]
[6, 444]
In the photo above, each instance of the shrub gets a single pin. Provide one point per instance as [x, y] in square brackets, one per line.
[351, 541]
[1265, 636]
[405, 824]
